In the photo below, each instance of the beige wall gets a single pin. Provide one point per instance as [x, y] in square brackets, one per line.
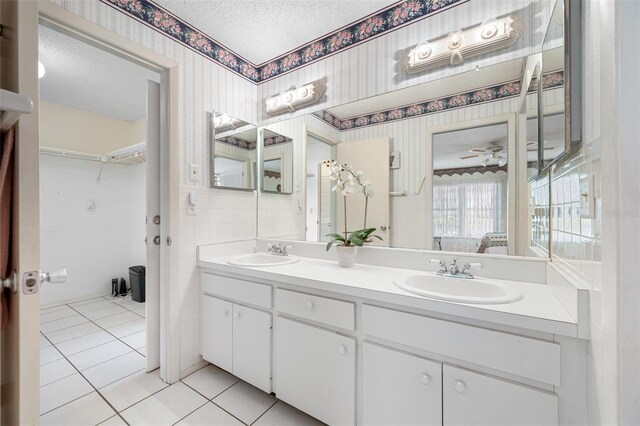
[72, 129]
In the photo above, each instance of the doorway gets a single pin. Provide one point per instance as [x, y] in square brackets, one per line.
[320, 200]
[100, 205]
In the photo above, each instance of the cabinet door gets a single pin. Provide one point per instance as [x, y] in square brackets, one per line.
[252, 346]
[216, 332]
[472, 398]
[315, 371]
[400, 389]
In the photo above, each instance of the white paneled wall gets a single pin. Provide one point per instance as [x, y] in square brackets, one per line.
[374, 67]
[204, 86]
[94, 246]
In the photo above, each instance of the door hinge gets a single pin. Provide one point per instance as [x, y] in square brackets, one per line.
[169, 241]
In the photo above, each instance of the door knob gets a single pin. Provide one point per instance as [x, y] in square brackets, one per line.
[156, 240]
[56, 276]
[383, 227]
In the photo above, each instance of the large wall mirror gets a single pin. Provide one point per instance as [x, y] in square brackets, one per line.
[455, 164]
[233, 153]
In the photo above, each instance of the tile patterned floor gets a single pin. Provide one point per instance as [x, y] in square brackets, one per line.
[92, 361]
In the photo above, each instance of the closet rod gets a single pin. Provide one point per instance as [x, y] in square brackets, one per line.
[12, 106]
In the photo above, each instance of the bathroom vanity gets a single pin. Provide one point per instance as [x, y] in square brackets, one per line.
[347, 346]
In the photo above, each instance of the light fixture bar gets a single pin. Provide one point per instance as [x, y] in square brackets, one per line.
[453, 49]
[295, 98]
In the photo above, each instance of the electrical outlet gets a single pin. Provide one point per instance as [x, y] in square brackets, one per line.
[194, 173]
[91, 206]
[191, 210]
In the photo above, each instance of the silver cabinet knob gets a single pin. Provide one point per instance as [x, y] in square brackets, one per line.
[156, 240]
[425, 379]
[383, 227]
[342, 350]
[236, 315]
[309, 305]
[225, 313]
[459, 386]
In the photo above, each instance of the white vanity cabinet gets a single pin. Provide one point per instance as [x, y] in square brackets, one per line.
[235, 337]
[399, 389]
[315, 371]
[473, 398]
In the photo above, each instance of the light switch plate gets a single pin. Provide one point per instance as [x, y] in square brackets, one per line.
[192, 210]
[194, 173]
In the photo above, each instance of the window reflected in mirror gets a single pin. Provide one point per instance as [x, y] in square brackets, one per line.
[470, 169]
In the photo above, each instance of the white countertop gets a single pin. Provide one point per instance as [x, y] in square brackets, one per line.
[537, 310]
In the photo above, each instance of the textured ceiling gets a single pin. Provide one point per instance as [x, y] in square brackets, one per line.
[84, 77]
[260, 30]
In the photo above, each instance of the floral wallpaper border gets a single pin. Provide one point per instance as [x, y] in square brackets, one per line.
[388, 19]
[251, 145]
[461, 100]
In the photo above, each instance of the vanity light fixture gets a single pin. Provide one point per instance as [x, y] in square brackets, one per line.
[41, 70]
[295, 98]
[453, 49]
[223, 121]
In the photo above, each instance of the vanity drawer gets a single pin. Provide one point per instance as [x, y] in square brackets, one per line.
[523, 356]
[240, 290]
[316, 308]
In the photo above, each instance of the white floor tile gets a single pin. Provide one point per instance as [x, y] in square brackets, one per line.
[49, 354]
[44, 342]
[128, 328]
[115, 369]
[57, 314]
[85, 342]
[72, 332]
[107, 311]
[283, 414]
[55, 370]
[165, 407]
[132, 389]
[63, 391]
[86, 302]
[99, 354]
[62, 323]
[93, 306]
[88, 410]
[114, 421]
[140, 311]
[210, 381]
[210, 414]
[142, 350]
[136, 340]
[53, 309]
[118, 319]
[245, 401]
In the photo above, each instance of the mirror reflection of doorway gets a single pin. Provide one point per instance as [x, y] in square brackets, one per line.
[320, 199]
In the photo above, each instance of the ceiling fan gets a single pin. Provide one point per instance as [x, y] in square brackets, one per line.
[495, 151]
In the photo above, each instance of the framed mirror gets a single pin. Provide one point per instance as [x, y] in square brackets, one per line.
[233, 153]
[561, 80]
[276, 162]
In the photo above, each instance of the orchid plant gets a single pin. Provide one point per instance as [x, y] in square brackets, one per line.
[351, 181]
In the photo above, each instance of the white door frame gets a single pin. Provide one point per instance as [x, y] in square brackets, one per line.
[510, 119]
[100, 37]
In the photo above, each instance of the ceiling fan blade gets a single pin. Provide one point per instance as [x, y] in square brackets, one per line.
[478, 150]
[469, 156]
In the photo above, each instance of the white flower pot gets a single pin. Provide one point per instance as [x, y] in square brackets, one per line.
[346, 255]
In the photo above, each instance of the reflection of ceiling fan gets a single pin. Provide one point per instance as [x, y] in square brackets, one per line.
[494, 151]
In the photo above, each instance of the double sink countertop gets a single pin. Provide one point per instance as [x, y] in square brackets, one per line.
[538, 310]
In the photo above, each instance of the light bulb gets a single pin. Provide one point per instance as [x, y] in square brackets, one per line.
[41, 70]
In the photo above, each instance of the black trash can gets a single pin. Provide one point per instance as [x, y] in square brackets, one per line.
[137, 282]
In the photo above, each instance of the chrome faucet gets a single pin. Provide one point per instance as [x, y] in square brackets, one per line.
[453, 271]
[279, 249]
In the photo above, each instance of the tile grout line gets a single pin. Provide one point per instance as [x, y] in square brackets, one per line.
[215, 396]
[265, 412]
[83, 376]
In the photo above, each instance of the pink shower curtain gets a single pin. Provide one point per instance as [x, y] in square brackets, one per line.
[6, 177]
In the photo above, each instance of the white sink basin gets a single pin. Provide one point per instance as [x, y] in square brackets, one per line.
[476, 290]
[261, 259]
